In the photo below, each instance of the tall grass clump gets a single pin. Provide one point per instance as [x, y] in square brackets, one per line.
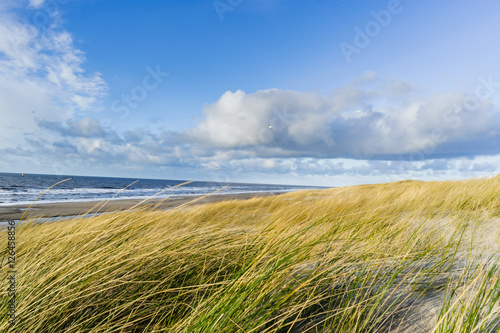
[400, 257]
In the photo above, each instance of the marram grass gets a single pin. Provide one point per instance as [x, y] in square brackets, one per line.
[400, 257]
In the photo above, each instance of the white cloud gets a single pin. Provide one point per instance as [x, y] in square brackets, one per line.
[381, 122]
[36, 3]
[369, 130]
[40, 76]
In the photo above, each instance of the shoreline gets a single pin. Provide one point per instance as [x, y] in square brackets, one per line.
[75, 208]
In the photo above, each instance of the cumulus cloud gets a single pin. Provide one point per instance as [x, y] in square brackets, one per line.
[368, 128]
[383, 122]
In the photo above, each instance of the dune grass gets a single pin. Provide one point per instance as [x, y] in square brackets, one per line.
[401, 257]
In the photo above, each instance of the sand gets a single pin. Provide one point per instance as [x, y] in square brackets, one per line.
[51, 210]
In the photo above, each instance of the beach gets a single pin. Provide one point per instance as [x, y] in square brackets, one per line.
[61, 209]
[404, 257]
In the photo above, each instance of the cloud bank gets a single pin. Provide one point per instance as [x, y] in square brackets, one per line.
[367, 130]
[370, 127]
[387, 121]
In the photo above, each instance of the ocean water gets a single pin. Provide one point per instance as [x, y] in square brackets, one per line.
[15, 189]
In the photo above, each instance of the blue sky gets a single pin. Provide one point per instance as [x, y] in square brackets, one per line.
[355, 92]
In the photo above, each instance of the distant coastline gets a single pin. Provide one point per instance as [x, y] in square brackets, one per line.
[17, 190]
[62, 209]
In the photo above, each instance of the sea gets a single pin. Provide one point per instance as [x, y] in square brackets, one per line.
[17, 189]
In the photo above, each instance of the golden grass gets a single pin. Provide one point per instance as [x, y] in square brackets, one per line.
[353, 259]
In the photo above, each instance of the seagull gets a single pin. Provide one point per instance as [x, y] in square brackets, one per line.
[270, 127]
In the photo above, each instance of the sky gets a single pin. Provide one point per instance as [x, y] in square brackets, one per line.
[320, 92]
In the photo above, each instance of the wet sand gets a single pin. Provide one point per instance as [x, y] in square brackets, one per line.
[50, 210]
